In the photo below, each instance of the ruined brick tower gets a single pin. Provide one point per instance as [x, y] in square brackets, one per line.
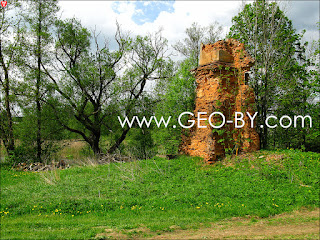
[222, 87]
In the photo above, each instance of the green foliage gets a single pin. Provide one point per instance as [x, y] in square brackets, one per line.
[10, 53]
[38, 20]
[72, 34]
[177, 98]
[27, 153]
[281, 77]
[67, 83]
[95, 90]
[52, 131]
[139, 142]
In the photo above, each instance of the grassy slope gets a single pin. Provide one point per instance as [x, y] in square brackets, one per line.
[156, 194]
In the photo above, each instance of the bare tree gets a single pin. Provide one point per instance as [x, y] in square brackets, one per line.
[196, 34]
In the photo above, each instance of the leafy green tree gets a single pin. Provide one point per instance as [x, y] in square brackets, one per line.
[10, 35]
[295, 100]
[92, 89]
[312, 138]
[177, 98]
[271, 39]
[147, 62]
[85, 87]
[39, 16]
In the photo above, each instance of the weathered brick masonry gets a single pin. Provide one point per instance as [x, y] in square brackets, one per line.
[221, 87]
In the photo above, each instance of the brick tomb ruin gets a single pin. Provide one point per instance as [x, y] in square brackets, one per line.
[222, 87]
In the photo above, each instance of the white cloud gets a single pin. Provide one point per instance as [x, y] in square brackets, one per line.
[187, 12]
[102, 15]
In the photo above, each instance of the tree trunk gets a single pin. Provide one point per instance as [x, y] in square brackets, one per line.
[264, 129]
[264, 113]
[119, 140]
[38, 85]
[9, 142]
[94, 143]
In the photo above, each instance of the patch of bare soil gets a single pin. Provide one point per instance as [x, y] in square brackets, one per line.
[295, 225]
[302, 224]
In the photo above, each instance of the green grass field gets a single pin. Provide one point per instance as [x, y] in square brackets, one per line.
[156, 194]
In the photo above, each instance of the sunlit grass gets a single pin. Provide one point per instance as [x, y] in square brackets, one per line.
[156, 193]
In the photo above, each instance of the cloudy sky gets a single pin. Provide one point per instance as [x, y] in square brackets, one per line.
[141, 17]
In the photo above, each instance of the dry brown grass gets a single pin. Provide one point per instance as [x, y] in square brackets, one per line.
[51, 177]
[255, 158]
[303, 224]
[71, 149]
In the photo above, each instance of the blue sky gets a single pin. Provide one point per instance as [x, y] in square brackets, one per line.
[146, 11]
